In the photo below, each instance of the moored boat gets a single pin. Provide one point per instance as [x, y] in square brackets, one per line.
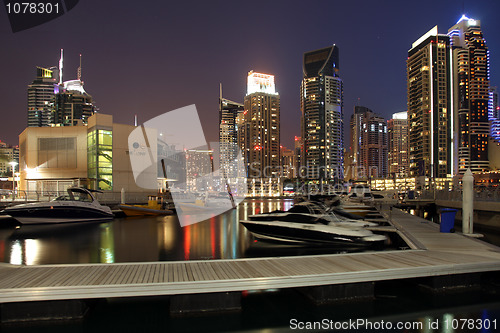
[156, 207]
[79, 205]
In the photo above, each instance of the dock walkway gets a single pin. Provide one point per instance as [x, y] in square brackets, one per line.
[432, 253]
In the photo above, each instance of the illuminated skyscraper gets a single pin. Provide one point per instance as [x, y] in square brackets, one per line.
[397, 128]
[54, 102]
[494, 115]
[41, 95]
[260, 133]
[368, 144]
[72, 105]
[228, 134]
[471, 94]
[430, 108]
[321, 102]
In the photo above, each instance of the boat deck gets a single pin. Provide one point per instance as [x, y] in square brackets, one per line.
[432, 253]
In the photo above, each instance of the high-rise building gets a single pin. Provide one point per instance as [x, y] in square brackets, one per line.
[298, 143]
[430, 106]
[228, 135]
[288, 163]
[368, 144]
[52, 102]
[41, 95]
[321, 102]
[397, 128]
[199, 168]
[471, 94]
[260, 132]
[72, 104]
[494, 115]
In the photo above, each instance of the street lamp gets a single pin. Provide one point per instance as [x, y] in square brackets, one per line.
[13, 165]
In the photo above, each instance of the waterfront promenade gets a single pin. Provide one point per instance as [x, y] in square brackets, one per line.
[431, 254]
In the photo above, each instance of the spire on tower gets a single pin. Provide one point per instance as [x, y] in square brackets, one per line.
[79, 72]
[61, 68]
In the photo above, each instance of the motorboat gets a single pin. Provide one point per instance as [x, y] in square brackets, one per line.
[156, 206]
[309, 211]
[314, 232]
[79, 205]
[208, 203]
[310, 222]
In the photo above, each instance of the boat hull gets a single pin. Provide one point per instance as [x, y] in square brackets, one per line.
[58, 214]
[303, 233]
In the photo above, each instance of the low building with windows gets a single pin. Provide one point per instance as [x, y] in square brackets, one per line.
[94, 155]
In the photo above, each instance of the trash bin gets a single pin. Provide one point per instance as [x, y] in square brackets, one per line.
[447, 219]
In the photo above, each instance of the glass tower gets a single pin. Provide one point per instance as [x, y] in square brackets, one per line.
[471, 92]
[321, 103]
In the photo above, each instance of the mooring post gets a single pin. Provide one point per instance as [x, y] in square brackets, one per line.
[122, 197]
[467, 202]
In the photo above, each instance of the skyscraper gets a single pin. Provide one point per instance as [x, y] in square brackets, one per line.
[321, 102]
[471, 94]
[54, 102]
[368, 144]
[494, 115]
[72, 104]
[430, 108]
[260, 133]
[228, 134]
[397, 128]
[41, 95]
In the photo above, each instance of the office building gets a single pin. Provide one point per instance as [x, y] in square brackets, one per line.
[72, 105]
[288, 163]
[41, 96]
[321, 102]
[368, 144]
[430, 108]
[199, 168]
[260, 127]
[228, 135]
[397, 129]
[471, 94]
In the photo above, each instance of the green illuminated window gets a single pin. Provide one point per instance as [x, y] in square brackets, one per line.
[100, 158]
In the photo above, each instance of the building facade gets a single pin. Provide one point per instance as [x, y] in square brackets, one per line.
[368, 144]
[397, 129]
[288, 163]
[228, 135]
[259, 132]
[41, 96]
[430, 109]
[72, 105]
[8, 154]
[94, 155]
[471, 92]
[321, 102]
[52, 102]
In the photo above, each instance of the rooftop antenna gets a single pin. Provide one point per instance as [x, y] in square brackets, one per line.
[135, 120]
[79, 72]
[61, 68]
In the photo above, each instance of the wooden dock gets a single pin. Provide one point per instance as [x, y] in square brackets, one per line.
[432, 254]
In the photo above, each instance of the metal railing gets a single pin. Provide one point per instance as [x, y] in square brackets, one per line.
[107, 198]
[480, 194]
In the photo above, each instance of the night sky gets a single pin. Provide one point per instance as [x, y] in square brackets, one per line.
[150, 57]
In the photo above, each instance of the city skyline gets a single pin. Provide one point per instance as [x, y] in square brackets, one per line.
[149, 75]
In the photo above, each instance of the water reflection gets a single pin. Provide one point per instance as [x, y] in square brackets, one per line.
[134, 239]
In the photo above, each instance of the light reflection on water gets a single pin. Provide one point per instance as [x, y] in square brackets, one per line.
[134, 239]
